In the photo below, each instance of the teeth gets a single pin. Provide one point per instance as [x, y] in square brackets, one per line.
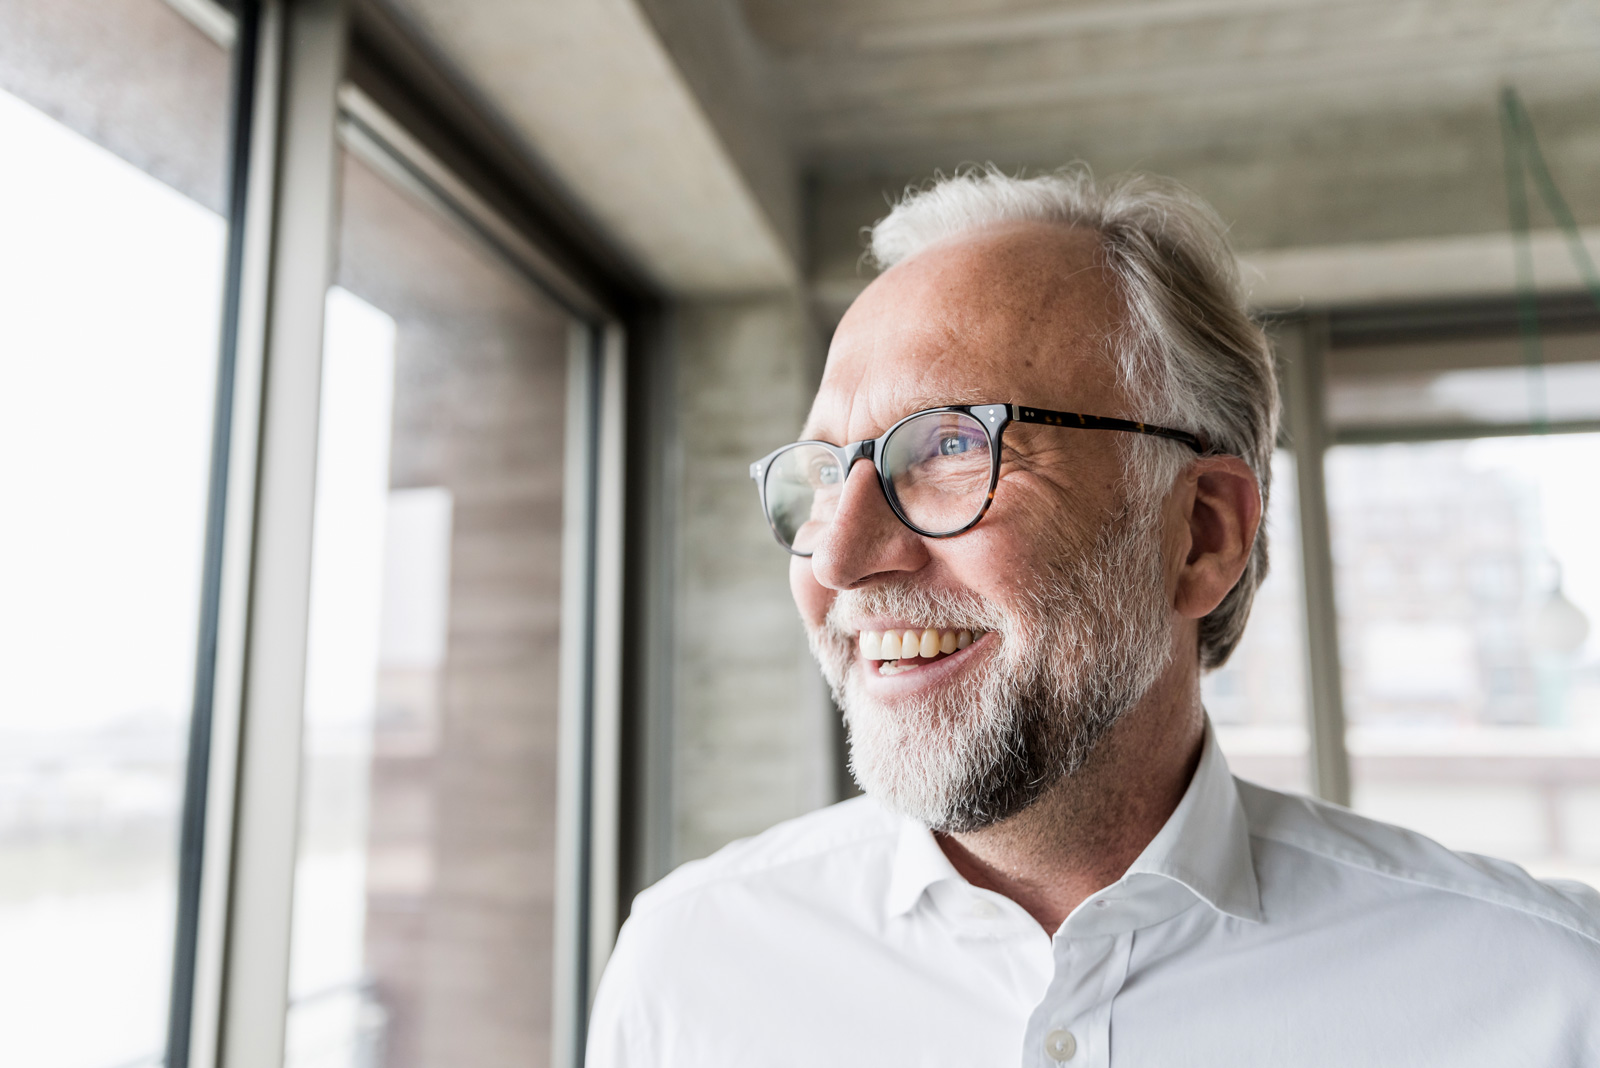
[912, 644]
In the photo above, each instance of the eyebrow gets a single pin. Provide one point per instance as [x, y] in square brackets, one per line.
[921, 404]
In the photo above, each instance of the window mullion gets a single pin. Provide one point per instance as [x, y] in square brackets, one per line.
[242, 969]
[1301, 350]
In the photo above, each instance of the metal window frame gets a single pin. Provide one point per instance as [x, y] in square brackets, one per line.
[589, 828]
[239, 988]
[294, 106]
[1303, 342]
[1301, 346]
[213, 726]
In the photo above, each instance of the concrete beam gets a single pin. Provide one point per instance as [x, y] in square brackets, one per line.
[1329, 276]
[1473, 265]
[700, 197]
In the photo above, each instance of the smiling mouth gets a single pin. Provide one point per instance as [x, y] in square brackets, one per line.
[897, 651]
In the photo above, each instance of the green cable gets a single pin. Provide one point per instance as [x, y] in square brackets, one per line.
[1512, 137]
[1551, 195]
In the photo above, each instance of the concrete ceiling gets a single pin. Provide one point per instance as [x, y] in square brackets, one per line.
[704, 131]
[911, 84]
[1358, 135]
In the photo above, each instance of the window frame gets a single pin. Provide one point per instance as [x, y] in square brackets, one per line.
[1303, 343]
[312, 77]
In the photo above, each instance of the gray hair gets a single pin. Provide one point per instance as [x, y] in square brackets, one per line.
[1189, 354]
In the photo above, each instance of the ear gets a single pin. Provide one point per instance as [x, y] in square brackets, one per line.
[1221, 505]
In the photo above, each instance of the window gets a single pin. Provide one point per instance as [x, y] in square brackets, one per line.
[424, 900]
[113, 114]
[1467, 589]
[457, 626]
[1462, 515]
[1257, 700]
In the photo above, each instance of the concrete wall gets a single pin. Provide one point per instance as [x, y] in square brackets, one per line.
[753, 736]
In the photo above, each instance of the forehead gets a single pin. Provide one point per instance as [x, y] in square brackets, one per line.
[1021, 314]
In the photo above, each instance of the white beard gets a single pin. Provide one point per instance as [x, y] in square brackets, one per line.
[1088, 641]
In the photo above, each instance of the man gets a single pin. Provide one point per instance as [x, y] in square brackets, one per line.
[1025, 518]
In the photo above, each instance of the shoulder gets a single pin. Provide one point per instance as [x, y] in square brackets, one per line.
[1301, 831]
[857, 832]
[717, 925]
[725, 942]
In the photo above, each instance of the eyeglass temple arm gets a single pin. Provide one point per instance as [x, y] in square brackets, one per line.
[1023, 414]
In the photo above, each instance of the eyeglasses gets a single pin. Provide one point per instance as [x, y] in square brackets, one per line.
[938, 469]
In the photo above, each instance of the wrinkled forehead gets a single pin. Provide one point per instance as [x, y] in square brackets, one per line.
[1019, 315]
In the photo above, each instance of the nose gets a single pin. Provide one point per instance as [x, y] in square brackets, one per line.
[865, 539]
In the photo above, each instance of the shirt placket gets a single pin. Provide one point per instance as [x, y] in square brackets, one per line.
[1071, 1026]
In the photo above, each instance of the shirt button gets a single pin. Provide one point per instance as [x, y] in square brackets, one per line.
[1060, 1045]
[984, 909]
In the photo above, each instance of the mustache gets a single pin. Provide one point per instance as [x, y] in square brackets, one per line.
[948, 608]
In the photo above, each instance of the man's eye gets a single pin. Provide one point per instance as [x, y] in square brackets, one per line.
[954, 445]
[828, 475]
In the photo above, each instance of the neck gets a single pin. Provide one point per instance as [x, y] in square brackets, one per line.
[1087, 829]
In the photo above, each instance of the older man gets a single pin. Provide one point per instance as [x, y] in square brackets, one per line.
[1025, 518]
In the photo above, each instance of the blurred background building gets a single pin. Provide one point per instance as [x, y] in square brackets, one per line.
[383, 599]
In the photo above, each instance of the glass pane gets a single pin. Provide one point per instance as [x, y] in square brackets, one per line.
[112, 114]
[1468, 582]
[424, 890]
[1257, 700]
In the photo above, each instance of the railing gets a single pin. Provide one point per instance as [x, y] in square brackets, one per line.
[1528, 794]
[341, 1026]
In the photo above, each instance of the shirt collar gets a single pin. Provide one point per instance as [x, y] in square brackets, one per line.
[918, 864]
[1204, 846]
[1205, 843]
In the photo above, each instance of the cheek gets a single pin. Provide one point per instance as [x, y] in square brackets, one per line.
[811, 597]
[992, 562]
[1018, 540]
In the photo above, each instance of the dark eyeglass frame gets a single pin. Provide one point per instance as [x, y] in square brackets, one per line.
[994, 418]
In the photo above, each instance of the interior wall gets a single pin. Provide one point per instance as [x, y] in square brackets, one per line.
[753, 735]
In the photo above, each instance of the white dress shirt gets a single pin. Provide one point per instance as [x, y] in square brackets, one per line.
[1256, 929]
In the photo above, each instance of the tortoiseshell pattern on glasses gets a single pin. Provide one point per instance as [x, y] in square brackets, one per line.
[994, 418]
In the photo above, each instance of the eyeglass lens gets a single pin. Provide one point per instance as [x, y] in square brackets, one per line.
[938, 466]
